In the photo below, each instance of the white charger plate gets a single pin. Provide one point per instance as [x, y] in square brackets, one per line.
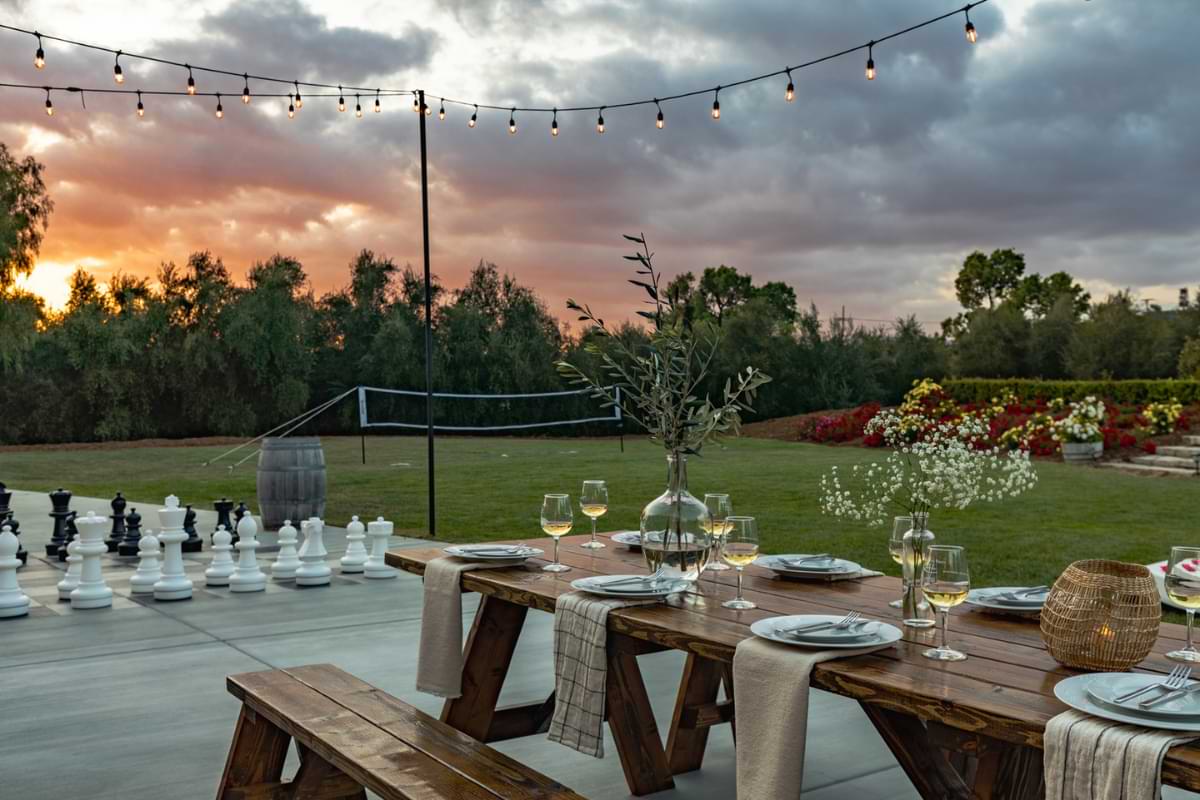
[839, 566]
[479, 552]
[631, 539]
[982, 599]
[594, 584]
[1106, 688]
[769, 629]
[1073, 692]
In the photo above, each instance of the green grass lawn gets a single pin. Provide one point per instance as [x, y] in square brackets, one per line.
[490, 488]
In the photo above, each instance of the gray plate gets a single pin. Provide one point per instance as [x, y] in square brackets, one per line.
[983, 599]
[769, 629]
[1104, 689]
[466, 552]
[840, 566]
[595, 585]
[1073, 692]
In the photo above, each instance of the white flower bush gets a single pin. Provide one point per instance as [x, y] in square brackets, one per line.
[1082, 424]
[933, 465]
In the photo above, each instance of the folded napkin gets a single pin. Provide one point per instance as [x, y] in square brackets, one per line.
[1088, 758]
[770, 687]
[581, 669]
[440, 657]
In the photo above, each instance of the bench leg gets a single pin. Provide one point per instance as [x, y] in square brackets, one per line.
[696, 710]
[317, 778]
[256, 754]
[486, 657]
[632, 721]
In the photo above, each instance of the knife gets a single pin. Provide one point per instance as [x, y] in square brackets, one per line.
[1169, 696]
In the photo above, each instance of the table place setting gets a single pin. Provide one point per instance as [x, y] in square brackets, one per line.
[820, 566]
[629, 539]
[632, 586]
[512, 553]
[1015, 600]
[826, 631]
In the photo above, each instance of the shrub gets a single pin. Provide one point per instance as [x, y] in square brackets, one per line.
[1132, 392]
[1162, 418]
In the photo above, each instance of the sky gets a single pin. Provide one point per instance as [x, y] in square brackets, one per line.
[1066, 132]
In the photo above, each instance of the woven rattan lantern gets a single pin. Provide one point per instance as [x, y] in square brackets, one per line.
[1101, 615]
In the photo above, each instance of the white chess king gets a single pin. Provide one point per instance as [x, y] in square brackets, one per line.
[149, 570]
[247, 577]
[356, 555]
[174, 584]
[13, 602]
[92, 591]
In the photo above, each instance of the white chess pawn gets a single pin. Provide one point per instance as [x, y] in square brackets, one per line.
[284, 568]
[313, 571]
[356, 555]
[222, 566]
[74, 569]
[92, 591]
[247, 577]
[380, 531]
[13, 602]
[148, 570]
[174, 583]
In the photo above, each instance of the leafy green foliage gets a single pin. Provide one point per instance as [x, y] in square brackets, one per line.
[24, 215]
[980, 391]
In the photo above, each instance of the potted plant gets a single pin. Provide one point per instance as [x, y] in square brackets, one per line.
[1079, 431]
[659, 385]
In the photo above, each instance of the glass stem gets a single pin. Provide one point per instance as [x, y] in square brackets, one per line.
[1191, 615]
[945, 623]
[739, 579]
[555, 549]
[593, 530]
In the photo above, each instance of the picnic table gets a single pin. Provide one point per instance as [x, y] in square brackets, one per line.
[971, 729]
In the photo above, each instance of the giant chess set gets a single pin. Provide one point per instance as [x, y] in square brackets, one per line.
[119, 562]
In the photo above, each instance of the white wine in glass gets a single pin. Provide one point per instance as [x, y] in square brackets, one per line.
[716, 526]
[1182, 582]
[945, 582]
[593, 502]
[739, 549]
[557, 520]
[900, 526]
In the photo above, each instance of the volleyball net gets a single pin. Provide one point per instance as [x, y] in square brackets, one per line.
[481, 413]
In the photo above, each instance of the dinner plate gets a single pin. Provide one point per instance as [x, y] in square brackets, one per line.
[494, 552]
[984, 598]
[769, 628]
[1106, 688]
[839, 566]
[595, 584]
[631, 539]
[1073, 692]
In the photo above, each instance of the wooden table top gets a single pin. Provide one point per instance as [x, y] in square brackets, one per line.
[1005, 688]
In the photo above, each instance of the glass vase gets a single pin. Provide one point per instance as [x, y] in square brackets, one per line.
[675, 543]
[916, 612]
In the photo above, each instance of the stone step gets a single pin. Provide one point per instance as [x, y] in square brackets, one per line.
[1146, 469]
[1179, 451]
[1192, 440]
[1166, 461]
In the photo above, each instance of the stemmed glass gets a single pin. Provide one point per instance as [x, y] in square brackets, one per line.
[557, 519]
[945, 581]
[1182, 582]
[593, 502]
[739, 549]
[719, 509]
[900, 526]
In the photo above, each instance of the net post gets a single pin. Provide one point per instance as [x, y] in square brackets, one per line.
[620, 419]
[362, 420]
[428, 315]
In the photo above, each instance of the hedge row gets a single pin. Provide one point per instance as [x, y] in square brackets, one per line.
[982, 390]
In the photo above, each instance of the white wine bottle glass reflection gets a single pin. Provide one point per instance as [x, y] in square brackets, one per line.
[593, 502]
[557, 519]
[945, 582]
[900, 526]
[719, 510]
[1182, 582]
[739, 550]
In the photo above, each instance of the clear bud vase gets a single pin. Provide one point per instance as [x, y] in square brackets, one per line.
[675, 543]
[917, 613]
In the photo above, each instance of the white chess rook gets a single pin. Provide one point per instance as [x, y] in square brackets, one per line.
[149, 570]
[313, 571]
[74, 569]
[380, 531]
[13, 602]
[222, 565]
[355, 558]
[92, 591]
[284, 568]
[247, 577]
[174, 583]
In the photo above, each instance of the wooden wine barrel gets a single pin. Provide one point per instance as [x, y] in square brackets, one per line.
[291, 480]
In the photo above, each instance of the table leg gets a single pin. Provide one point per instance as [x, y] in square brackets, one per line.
[256, 754]
[696, 710]
[486, 658]
[631, 720]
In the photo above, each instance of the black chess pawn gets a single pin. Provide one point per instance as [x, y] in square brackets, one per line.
[193, 543]
[72, 532]
[223, 507]
[133, 534]
[60, 501]
[7, 518]
[118, 523]
[238, 513]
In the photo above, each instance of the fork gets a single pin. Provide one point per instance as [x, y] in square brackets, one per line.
[1181, 689]
[842, 624]
[1176, 678]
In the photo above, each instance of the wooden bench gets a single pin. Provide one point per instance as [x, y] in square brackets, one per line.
[351, 735]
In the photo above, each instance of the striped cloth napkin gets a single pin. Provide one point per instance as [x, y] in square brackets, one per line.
[1088, 758]
[581, 669]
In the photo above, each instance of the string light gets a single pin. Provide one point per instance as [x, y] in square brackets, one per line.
[220, 112]
[416, 104]
[299, 99]
[378, 107]
[442, 111]
[49, 105]
[716, 109]
[512, 122]
[191, 84]
[341, 100]
[871, 61]
[39, 58]
[659, 122]
[970, 26]
[428, 110]
[291, 108]
[246, 90]
[118, 75]
[790, 93]
[600, 120]
[474, 116]
[141, 109]
[357, 107]
[554, 124]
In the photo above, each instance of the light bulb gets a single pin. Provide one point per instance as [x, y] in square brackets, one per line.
[416, 105]
[141, 109]
[474, 115]
[554, 124]
[428, 110]
[118, 75]
[291, 110]
[442, 111]
[220, 112]
[39, 58]
[971, 34]
[716, 109]
[49, 106]
[191, 84]
[789, 94]
[871, 62]
[600, 122]
[299, 100]
[512, 122]
[659, 121]
[378, 107]
[357, 107]
[341, 101]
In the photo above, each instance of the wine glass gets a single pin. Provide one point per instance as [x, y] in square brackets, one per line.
[1182, 582]
[719, 509]
[739, 549]
[900, 526]
[945, 581]
[557, 519]
[593, 502]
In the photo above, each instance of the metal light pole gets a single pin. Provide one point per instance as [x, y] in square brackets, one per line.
[428, 314]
